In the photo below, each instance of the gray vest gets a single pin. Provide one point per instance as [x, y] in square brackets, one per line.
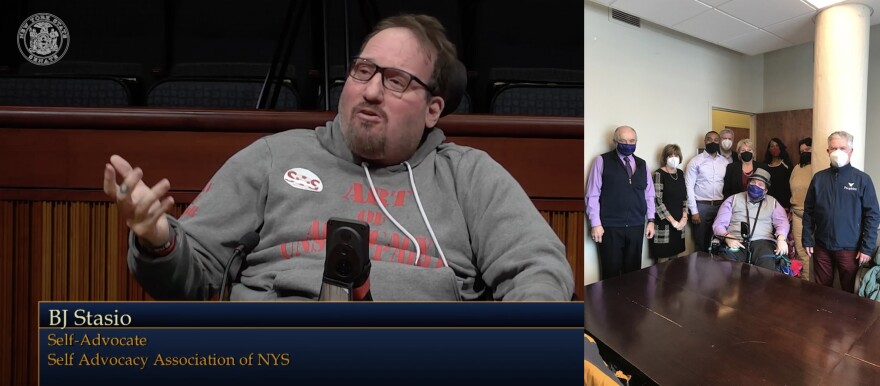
[763, 230]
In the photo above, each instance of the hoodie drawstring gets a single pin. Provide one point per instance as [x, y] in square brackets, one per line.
[412, 239]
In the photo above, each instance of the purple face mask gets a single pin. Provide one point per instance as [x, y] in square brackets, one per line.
[626, 149]
[755, 192]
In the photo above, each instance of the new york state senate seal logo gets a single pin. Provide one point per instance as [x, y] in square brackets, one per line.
[43, 39]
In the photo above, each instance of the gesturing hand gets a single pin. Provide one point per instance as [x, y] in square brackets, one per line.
[143, 208]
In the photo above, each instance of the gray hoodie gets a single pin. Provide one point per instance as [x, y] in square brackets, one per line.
[286, 186]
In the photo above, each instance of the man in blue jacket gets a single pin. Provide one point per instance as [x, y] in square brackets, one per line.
[840, 216]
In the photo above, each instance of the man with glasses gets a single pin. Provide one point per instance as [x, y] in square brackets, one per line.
[446, 221]
[620, 198]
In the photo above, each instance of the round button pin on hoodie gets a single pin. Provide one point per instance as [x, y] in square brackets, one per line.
[303, 179]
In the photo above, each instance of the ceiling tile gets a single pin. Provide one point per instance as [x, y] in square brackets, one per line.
[714, 26]
[755, 42]
[732, 24]
[666, 13]
[762, 13]
[714, 3]
[797, 31]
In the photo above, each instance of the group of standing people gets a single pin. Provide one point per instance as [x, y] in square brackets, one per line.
[758, 209]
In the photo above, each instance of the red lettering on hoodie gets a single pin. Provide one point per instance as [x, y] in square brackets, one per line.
[360, 194]
[288, 252]
[318, 233]
[378, 249]
[316, 242]
[192, 209]
[372, 217]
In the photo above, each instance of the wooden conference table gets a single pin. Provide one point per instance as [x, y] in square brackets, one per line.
[702, 320]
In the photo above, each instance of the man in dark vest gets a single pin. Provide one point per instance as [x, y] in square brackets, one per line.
[620, 197]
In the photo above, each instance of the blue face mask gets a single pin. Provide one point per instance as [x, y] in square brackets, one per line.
[626, 149]
[755, 192]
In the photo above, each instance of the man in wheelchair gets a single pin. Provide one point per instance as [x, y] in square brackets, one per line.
[752, 225]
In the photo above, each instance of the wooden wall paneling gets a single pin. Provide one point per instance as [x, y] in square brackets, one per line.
[159, 154]
[34, 286]
[74, 264]
[575, 229]
[79, 233]
[97, 254]
[84, 249]
[78, 141]
[540, 175]
[7, 219]
[117, 267]
[60, 258]
[789, 126]
[528, 162]
[21, 291]
[134, 290]
[564, 224]
[47, 269]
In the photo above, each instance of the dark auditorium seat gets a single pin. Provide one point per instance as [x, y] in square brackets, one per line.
[226, 70]
[538, 91]
[223, 85]
[132, 75]
[216, 93]
[64, 91]
[71, 68]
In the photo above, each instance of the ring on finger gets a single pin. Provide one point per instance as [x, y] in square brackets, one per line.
[123, 189]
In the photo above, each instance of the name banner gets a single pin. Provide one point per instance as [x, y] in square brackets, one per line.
[150, 343]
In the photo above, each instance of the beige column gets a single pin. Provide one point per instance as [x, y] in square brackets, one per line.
[840, 80]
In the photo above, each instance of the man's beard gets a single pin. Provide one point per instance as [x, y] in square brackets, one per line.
[362, 139]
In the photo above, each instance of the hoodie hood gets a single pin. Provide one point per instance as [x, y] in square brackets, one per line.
[331, 138]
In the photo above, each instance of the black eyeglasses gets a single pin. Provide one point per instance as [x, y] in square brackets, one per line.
[394, 79]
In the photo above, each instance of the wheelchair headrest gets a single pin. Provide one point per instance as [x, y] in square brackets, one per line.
[455, 87]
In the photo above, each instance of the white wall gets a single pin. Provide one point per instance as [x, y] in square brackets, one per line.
[788, 79]
[788, 85]
[663, 84]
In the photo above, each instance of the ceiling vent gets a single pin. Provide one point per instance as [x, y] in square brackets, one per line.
[626, 18]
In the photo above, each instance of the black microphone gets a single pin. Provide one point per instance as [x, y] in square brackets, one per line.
[745, 230]
[347, 264]
[246, 244]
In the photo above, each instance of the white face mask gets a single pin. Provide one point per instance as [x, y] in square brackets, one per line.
[672, 162]
[726, 144]
[839, 158]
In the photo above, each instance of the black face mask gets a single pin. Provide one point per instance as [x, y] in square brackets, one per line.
[746, 156]
[806, 158]
[712, 147]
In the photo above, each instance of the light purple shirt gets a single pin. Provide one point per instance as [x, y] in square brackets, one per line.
[704, 179]
[722, 220]
[594, 189]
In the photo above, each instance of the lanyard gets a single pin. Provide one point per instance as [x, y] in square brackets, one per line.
[752, 230]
